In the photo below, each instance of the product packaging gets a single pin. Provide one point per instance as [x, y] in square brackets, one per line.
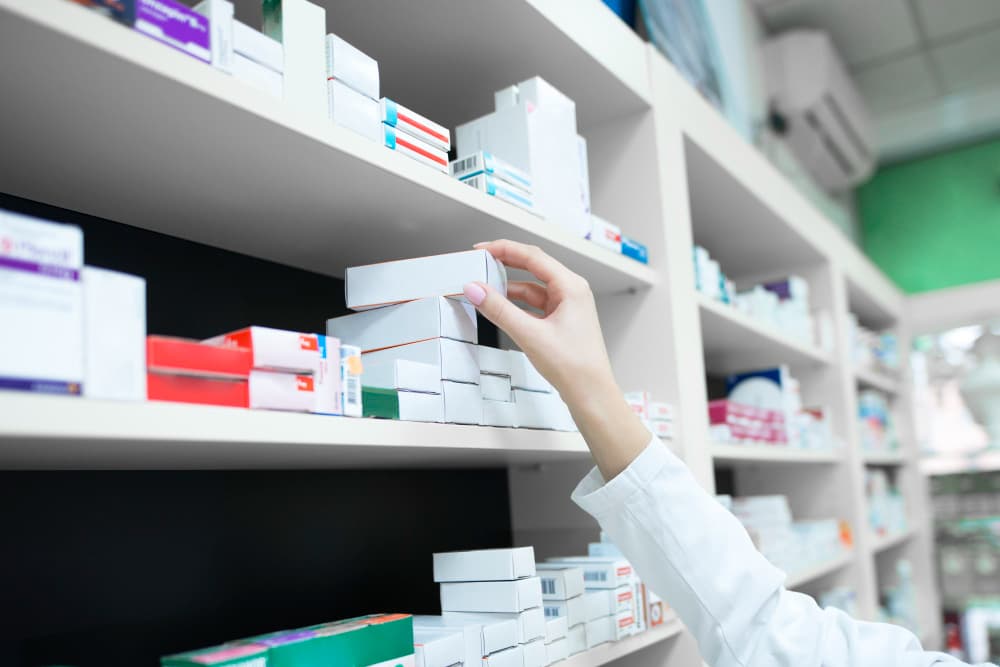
[484, 162]
[600, 572]
[414, 148]
[351, 110]
[114, 335]
[609, 628]
[535, 654]
[180, 356]
[415, 125]
[656, 608]
[206, 391]
[584, 176]
[492, 596]
[560, 582]
[523, 375]
[495, 188]
[494, 361]
[660, 411]
[410, 322]
[407, 376]
[275, 349]
[530, 623]
[511, 657]
[484, 565]
[607, 601]
[220, 20]
[351, 370]
[463, 402]
[367, 640]
[499, 413]
[41, 305]
[256, 75]
[258, 47]
[556, 628]
[557, 650]
[456, 361]
[634, 249]
[438, 647]
[176, 25]
[352, 66]
[605, 234]
[122, 11]
[495, 387]
[227, 655]
[485, 633]
[402, 405]
[577, 638]
[300, 26]
[662, 429]
[282, 391]
[540, 410]
[574, 610]
[421, 277]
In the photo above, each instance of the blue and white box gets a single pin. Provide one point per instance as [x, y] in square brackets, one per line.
[484, 162]
[634, 249]
[501, 190]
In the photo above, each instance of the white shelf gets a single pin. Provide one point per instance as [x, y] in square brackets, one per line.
[735, 342]
[894, 458]
[771, 454]
[880, 544]
[607, 653]
[797, 579]
[108, 435]
[199, 155]
[877, 380]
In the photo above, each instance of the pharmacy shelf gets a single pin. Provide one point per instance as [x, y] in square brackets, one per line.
[607, 653]
[883, 543]
[894, 458]
[749, 454]
[89, 434]
[735, 342]
[876, 380]
[797, 579]
[199, 155]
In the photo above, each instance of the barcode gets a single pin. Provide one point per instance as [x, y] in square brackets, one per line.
[548, 586]
[352, 391]
[473, 182]
[464, 164]
[595, 575]
[552, 612]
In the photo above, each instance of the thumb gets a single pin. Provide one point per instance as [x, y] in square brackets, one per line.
[500, 311]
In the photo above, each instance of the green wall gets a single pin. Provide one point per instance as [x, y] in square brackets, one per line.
[935, 222]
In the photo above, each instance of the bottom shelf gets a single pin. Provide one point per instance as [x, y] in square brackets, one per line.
[605, 653]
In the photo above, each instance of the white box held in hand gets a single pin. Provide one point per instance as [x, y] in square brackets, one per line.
[463, 402]
[535, 654]
[415, 125]
[456, 361]
[407, 376]
[410, 322]
[494, 596]
[560, 582]
[573, 609]
[485, 565]
[353, 67]
[114, 335]
[350, 109]
[440, 647]
[258, 47]
[556, 628]
[382, 284]
[600, 572]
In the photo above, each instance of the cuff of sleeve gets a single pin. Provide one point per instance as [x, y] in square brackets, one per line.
[597, 498]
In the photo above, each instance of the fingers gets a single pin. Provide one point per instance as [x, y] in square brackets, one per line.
[533, 294]
[527, 257]
[497, 309]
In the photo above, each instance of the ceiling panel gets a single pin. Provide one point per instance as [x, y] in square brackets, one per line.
[944, 18]
[897, 84]
[971, 63]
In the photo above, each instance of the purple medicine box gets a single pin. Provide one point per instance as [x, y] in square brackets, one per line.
[172, 23]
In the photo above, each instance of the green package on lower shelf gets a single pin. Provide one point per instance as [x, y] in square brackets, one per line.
[355, 642]
[381, 403]
[228, 655]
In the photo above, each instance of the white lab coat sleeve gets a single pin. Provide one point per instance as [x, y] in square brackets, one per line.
[697, 556]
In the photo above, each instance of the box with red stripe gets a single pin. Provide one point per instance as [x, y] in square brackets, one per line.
[415, 125]
[420, 151]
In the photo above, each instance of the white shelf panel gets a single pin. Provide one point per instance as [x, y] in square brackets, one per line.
[880, 544]
[607, 653]
[735, 342]
[722, 453]
[876, 380]
[197, 154]
[58, 432]
[883, 458]
[797, 579]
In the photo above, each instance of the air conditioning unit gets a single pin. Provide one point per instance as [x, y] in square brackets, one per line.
[828, 124]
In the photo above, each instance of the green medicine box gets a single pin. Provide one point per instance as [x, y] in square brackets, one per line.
[227, 655]
[356, 642]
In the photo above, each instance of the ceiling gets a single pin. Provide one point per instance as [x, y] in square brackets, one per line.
[929, 69]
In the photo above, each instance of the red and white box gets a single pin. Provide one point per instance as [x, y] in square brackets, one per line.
[270, 390]
[605, 234]
[415, 125]
[275, 349]
[201, 390]
[412, 147]
[180, 356]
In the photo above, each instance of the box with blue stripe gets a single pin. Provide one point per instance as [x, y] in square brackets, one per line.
[484, 162]
[501, 190]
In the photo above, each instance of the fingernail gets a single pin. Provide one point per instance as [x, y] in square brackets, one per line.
[475, 293]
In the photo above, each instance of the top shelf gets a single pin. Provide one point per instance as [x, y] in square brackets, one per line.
[199, 155]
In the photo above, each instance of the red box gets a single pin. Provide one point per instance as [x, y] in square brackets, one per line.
[180, 356]
[205, 391]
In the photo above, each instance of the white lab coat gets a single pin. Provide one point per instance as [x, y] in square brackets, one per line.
[695, 554]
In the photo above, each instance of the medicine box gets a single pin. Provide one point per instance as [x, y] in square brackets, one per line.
[258, 47]
[367, 640]
[351, 110]
[574, 610]
[389, 326]
[220, 20]
[557, 650]
[227, 655]
[402, 405]
[300, 26]
[495, 188]
[493, 632]
[484, 565]
[556, 628]
[463, 402]
[608, 601]
[282, 391]
[492, 596]
[660, 411]
[656, 608]
[114, 335]
[484, 162]
[122, 11]
[351, 369]
[205, 391]
[635, 250]
[499, 413]
[523, 375]
[415, 125]
[560, 582]
[41, 305]
[494, 361]
[605, 234]
[495, 387]
[275, 349]
[577, 638]
[543, 411]
[608, 629]
[604, 549]
[180, 356]
[414, 148]
[511, 657]
[662, 429]
[176, 25]
[584, 176]
[353, 67]
[600, 572]
[438, 647]
[535, 654]
[408, 376]
[421, 277]
[256, 75]
[456, 361]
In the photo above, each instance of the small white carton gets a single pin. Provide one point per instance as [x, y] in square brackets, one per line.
[511, 657]
[421, 407]
[352, 66]
[114, 335]
[609, 628]
[441, 647]
[351, 110]
[254, 74]
[463, 402]
[495, 387]
[530, 623]
[484, 162]
[407, 376]
[608, 601]
[577, 638]
[414, 148]
[492, 596]
[600, 572]
[258, 47]
[483, 633]
[560, 582]
[541, 410]
[456, 361]
[415, 125]
[574, 609]
[300, 26]
[293, 392]
[220, 21]
[605, 234]
[421, 277]
[503, 191]
[494, 361]
[484, 565]
[535, 654]
[524, 375]
[499, 413]
[557, 650]
[410, 322]
[351, 369]
[556, 628]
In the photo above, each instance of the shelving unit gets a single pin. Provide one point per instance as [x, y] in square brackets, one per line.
[199, 156]
[886, 542]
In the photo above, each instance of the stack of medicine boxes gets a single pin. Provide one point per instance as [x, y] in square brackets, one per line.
[537, 403]
[413, 135]
[237, 49]
[495, 176]
[352, 88]
[487, 641]
[650, 609]
[565, 609]
[609, 598]
[656, 415]
[498, 584]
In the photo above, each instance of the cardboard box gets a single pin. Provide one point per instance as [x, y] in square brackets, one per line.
[258, 47]
[608, 601]
[499, 413]
[415, 125]
[495, 188]
[438, 647]
[484, 162]
[204, 391]
[256, 75]
[176, 25]
[409, 376]
[122, 11]
[530, 622]
[605, 234]
[456, 361]
[275, 349]
[494, 361]
[523, 374]
[656, 609]
[227, 655]
[557, 650]
[353, 67]
[484, 565]
[539, 410]
[577, 638]
[463, 403]
[604, 549]
[351, 370]
[573, 609]
[220, 20]
[511, 657]
[41, 305]
[114, 335]
[635, 250]
[410, 322]
[492, 596]
[600, 572]
[180, 356]
[402, 405]
[350, 109]
[495, 387]
[560, 582]
[367, 640]
[609, 628]
[535, 654]
[482, 636]
[414, 148]
[556, 628]
[270, 390]
[300, 26]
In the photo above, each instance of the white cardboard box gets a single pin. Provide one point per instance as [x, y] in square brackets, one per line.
[557, 650]
[524, 375]
[556, 628]
[293, 392]
[463, 402]
[499, 413]
[275, 349]
[494, 361]
[573, 609]
[577, 638]
[535, 654]
[421, 407]
[220, 21]
[608, 601]
[407, 376]
[421, 277]
[484, 162]
[560, 582]
[492, 596]
[484, 565]
[511, 657]
[541, 410]
[351, 110]
[300, 26]
[438, 647]
[609, 628]
[605, 234]
[353, 67]
[410, 322]
[414, 148]
[114, 335]
[415, 125]
[456, 360]
[600, 572]
[254, 74]
[496, 188]
[530, 623]
[483, 633]
[495, 387]
[258, 47]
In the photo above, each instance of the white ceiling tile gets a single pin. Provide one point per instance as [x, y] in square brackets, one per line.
[896, 84]
[863, 30]
[970, 63]
[942, 18]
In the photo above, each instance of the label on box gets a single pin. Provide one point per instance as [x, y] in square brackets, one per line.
[573, 609]
[414, 148]
[560, 582]
[484, 162]
[175, 24]
[351, 369]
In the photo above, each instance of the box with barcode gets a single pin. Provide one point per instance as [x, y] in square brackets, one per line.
[415, 125]
[608, 601]
[560, 582]
[530, 622]
[600, 572]
[573, 609]
[484, 565]
[492, 596]
[484, 162]
[501, 190]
